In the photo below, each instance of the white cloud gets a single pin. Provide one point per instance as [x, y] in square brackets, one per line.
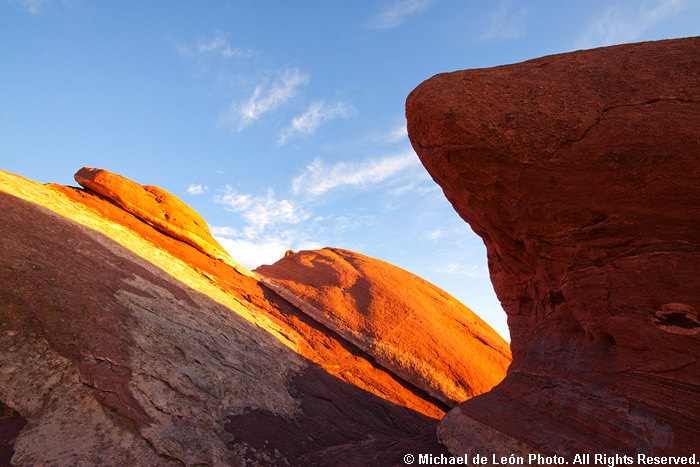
[462, 270]
[397, 12]
[38, 7]
[619, 25]
[506, 22]
[455, 233]
[220, 46]
[403, 189]
[317, 114]
[319, 177]
[217, 45]
[224, 231]
[260, 212]
[396, 135]
[436, 234]
[251, 253]
[34, 7]
[196, 189]
[265, 98]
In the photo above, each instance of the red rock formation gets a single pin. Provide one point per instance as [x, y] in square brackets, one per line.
[410, 326]
[122, 344]
[157, 207]
[317, 343]
[581, 173]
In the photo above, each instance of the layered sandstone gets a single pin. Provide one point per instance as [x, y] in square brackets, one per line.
[124, 343]
[407, 324]
[581, 173]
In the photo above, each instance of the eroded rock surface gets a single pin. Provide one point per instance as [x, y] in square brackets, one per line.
[581, 172]
[409, 325]
[123, 345]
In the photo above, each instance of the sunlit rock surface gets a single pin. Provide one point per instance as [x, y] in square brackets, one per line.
[581, 172]
[157, 207]
[407, 324]
[123, 341]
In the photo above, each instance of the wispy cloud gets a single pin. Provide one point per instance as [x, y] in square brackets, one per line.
[462, 270]
[396, 13]
[396, 135]
[260, 212]
[217, 45]
[316, 115]
[197, 189]
[403, 189]
[265, 98]
[505, 22]
[437, 234]
[271, 227]
[34, 7]
[224, 231]
[619, 25]
[319, 177]
[251, 253]
[459, 230]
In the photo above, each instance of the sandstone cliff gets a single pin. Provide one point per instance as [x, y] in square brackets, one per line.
[128, 337]
[581, 172]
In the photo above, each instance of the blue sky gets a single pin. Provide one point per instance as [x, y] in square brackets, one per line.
[282, 122]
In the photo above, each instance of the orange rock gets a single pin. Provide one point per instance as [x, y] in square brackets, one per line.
[581, 173]
[157, 207]
[408, 325]
[120, 344]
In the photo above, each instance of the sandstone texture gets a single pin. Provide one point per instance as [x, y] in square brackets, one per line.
[407, 324]
[581, 172]
[125, 342]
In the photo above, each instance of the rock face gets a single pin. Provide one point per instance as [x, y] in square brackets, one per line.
[581, 172]
[157, 207]
[123, 341]
[407, 324]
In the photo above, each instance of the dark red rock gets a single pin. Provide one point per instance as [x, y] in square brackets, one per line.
[333, 430]
[11, 423]
[581, 172]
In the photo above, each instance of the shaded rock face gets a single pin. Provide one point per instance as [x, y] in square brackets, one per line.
[407, 324]
[581, 172]
[123, 345]
[11, 423]
[111, 361]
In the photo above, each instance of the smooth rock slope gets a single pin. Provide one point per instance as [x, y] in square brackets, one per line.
[406, 323]
[581, 172]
